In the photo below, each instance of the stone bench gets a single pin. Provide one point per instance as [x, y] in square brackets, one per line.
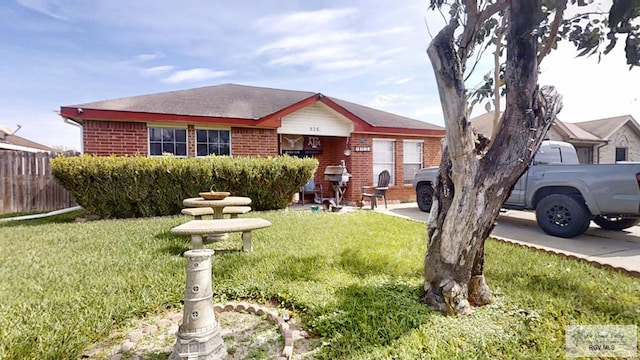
[234, 211]
[198, 228]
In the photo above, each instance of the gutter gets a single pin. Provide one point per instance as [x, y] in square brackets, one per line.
[21, 148]
[76, 124]
[38, 216]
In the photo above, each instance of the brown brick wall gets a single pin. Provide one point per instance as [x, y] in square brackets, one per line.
[114, 137]
[252, 142]
[191, 141]
[129, 138]
[360, 164]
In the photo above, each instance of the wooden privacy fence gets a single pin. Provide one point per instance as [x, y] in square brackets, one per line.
[27, 185]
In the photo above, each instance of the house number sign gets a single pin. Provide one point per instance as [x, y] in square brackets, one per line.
[314, 128]
[362, 148]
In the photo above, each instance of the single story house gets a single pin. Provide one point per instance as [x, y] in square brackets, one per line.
[601, 141]
[9, 141]
[240, 120]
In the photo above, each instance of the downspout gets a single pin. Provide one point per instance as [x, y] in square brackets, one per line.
[38, 216]
[598, 149]
[74, 123]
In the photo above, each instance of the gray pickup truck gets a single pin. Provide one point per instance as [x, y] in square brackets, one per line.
[565, 195]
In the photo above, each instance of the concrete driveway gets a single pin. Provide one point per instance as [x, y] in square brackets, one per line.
[616, 249]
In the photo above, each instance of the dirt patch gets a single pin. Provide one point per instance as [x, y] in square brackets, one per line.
[246, 336]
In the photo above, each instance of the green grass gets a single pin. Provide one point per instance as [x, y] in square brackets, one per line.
[353, 279]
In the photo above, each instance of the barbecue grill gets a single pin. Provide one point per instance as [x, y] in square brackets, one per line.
[339, 178]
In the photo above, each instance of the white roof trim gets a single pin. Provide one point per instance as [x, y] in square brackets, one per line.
[20, 148]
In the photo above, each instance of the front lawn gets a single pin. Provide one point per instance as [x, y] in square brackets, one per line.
[354, 279]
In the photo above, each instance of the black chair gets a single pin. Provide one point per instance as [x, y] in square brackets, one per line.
[310, 188]
[380, 190]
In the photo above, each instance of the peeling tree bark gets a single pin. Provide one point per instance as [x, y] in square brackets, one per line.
[474, 180]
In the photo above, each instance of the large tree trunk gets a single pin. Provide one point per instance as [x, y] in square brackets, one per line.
[476, 177]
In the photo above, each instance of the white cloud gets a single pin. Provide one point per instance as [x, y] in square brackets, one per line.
[48, 8]
[157, 70]
[395, 80]
[404, 80]
[344, 64]
[302, 21]
[325, 38]
[147, 57]
[331, 50]
[195, 75]
[383, 101]
[325, 53]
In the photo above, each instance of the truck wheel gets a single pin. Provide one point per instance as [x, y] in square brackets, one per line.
[562, 216]
[424, 197]
[615, 223]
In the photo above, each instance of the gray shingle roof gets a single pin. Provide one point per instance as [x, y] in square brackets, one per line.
[604, 128]
[573, 131]
[483, 124]
[381, 118]
[242, 102]
[6, 138]
[578, 133]
[228, 100]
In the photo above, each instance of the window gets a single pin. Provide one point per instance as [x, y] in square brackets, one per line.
[213, 142]
[412, 151]
[549, 155]
[383, 159]
[621, 154]
[167, 140]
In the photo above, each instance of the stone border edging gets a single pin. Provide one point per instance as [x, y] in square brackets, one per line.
[272, 316]
[173, 321]
[567, 255]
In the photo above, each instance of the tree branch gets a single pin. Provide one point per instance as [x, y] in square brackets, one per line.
[496, 75]
[474, 20]
[449, 75]
[555, 26]
[493, 9]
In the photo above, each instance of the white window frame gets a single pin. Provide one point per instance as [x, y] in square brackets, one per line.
[379, 165]
[195, 138]
[172, 127]
[420, 163]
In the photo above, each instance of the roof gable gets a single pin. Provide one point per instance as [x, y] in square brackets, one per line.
[605, 128]
[570, 131]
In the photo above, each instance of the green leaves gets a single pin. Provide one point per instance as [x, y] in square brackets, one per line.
[137, 186]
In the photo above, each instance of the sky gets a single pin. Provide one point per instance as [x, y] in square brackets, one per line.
[63, 52]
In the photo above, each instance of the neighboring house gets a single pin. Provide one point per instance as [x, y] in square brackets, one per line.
[11, 142]
[621, 135]
[242, 120]
[597, 142]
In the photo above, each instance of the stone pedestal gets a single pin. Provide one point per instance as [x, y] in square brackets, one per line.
[198, 336]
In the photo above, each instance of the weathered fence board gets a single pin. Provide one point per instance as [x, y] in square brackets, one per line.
[27, 185]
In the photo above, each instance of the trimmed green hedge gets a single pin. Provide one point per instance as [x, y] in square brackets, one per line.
[136, 186]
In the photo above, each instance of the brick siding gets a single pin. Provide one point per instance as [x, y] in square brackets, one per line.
[251, 141]
[360, 165]
[129, 138]
[114, 138]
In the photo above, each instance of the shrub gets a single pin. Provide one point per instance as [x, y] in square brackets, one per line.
[137, 186]
[269, 182]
